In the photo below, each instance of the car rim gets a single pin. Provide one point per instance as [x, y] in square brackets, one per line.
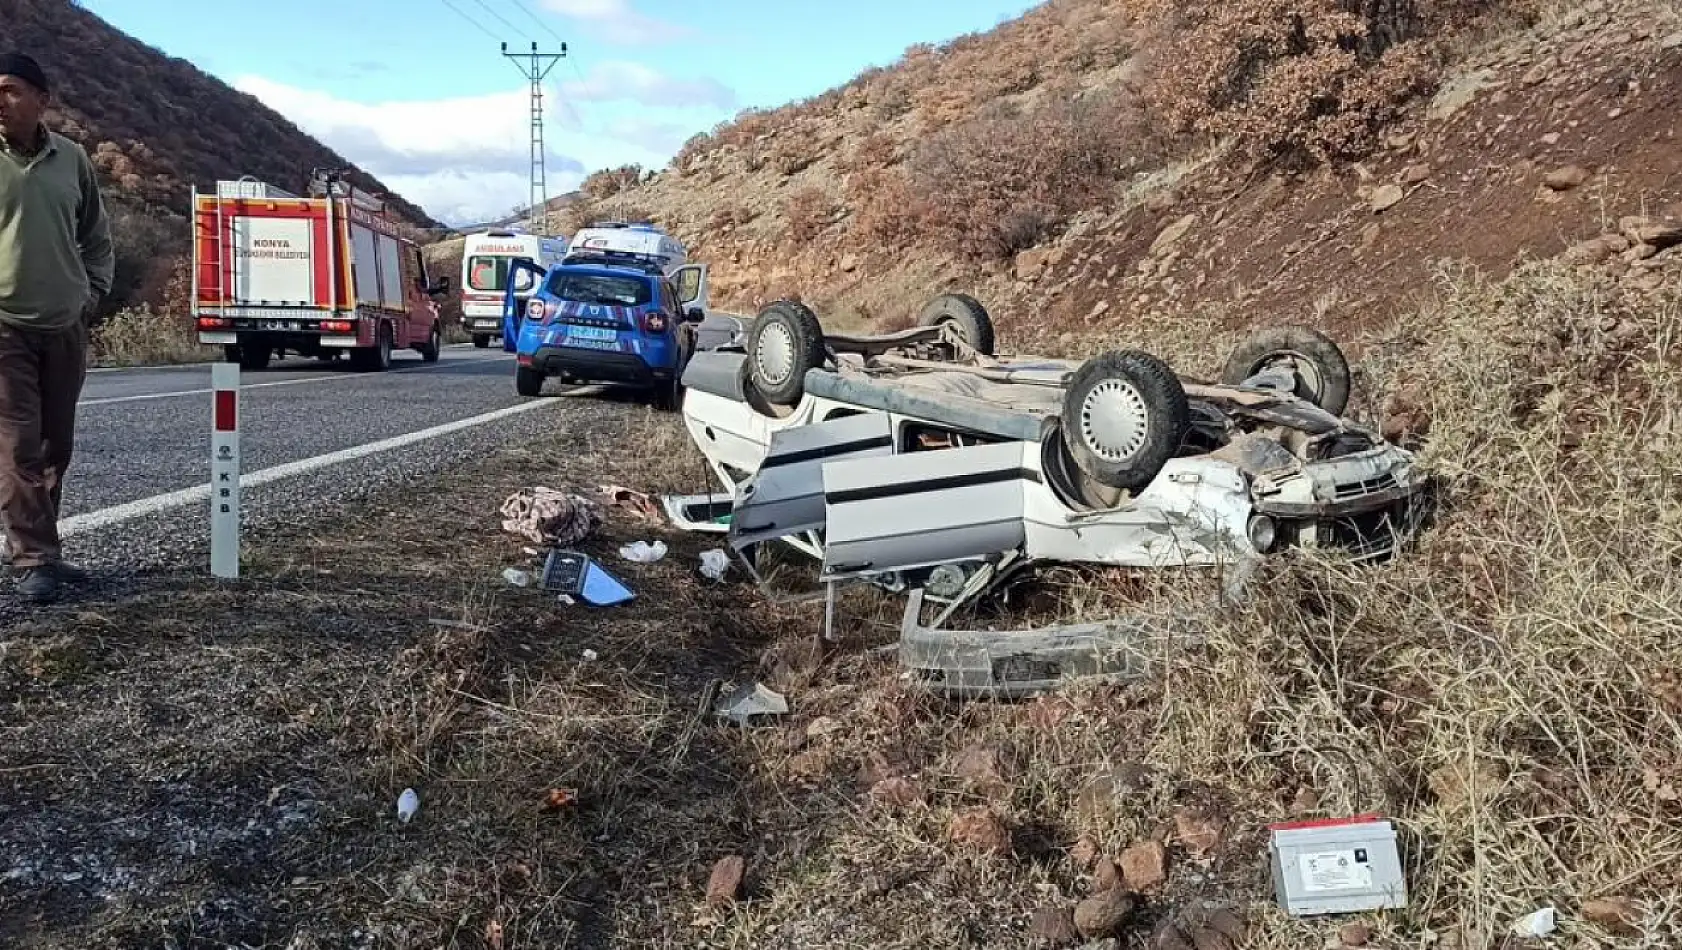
[775, 354]
[1114, 422]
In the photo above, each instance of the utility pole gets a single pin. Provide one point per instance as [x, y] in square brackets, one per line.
[534, 66]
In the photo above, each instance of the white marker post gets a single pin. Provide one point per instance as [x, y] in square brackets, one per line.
[224, 471]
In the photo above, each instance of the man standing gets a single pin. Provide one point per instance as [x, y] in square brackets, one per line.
[56, 262]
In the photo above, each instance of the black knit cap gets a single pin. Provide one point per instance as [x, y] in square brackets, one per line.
[25, 68]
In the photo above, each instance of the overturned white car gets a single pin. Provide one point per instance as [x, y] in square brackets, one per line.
[921, 461]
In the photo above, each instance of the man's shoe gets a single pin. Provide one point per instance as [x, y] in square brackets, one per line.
[68, 573]
[39, 584]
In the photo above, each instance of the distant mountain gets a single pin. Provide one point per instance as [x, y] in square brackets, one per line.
[156, 126]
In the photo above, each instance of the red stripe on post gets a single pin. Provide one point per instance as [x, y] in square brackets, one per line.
[227, 404]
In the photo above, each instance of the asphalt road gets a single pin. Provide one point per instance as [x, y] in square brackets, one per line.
[143, 444]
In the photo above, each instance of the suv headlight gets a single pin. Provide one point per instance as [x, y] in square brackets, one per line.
[1263, 533]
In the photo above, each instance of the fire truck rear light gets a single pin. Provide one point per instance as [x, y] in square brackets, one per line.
[213, 323]
[337, 326]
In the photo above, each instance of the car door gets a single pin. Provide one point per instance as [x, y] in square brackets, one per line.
[785, 497]
[513, 311]
[921, 509]
[692, 286]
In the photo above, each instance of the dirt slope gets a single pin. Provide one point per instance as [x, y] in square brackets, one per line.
[787, 202]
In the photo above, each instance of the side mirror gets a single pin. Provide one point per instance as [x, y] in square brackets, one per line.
[694, 315]
[439, 286]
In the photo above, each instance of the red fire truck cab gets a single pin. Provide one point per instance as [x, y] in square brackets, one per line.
[318, 276]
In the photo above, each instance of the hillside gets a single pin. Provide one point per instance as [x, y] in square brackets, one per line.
[1076, 172]
[156, 126]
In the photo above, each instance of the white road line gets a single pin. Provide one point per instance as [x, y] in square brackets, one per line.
[117, 514]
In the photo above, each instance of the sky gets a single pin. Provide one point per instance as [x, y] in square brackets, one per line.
[419, 94]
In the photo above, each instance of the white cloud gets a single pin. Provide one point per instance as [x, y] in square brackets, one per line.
[467, 158]
[617, 21]
[622, 81]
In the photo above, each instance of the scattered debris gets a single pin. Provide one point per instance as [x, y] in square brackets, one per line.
[1085, 852]
[724, 885]
[550, 517]
[1336, 866]
[751, 701]
[559, 798]
[574, 574]
[1354, 935]
[1541, 923]
[407, 804]
[591, 656]
[641, 552]
[714, 564]
[640, 504]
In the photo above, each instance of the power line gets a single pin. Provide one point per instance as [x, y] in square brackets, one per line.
[476, 24]
[525, 8]
[500, 18]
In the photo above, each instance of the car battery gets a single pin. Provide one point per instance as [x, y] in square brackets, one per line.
[1336, 866]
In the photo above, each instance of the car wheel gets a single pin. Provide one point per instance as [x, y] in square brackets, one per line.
[528, 382]
[1321, 371]
[254, 357]
[481, 341]
[967, 314]
[434, 345]
[1125, 415]
[786, 341]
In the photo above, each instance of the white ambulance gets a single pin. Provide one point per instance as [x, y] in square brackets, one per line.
[484, 276]
[641, 245]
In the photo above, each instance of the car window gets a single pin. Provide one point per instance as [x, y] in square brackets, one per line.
[601, 289]
[489, 272]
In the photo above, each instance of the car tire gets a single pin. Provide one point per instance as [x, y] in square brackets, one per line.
[967, 314]
[434, 345]
[785, 342]
[376, 358]
[481, 341]
[528, 382]
[254, 357]
[1323, 376]
[1125, 415]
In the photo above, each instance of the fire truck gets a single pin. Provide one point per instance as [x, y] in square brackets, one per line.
[319, 276]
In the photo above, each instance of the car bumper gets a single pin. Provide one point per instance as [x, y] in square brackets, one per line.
[1018, 663]
[603, 366]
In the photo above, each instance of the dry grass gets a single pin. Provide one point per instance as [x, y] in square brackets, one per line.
[146, 337]
[1506, 692]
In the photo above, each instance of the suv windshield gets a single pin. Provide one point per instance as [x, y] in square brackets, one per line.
[600, 289]
[490, 273]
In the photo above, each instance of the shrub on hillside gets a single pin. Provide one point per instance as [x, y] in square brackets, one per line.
[607, 182]
[1005, 180]
[1293, 82]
